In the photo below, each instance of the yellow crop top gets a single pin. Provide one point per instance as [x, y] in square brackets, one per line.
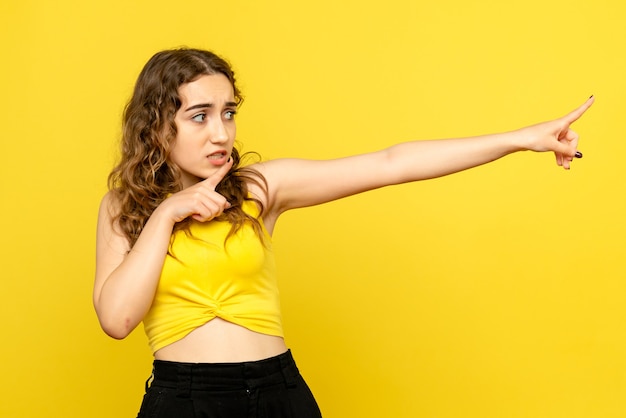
[206, 280]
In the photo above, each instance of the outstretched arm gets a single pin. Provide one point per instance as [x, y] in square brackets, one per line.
[297, 183]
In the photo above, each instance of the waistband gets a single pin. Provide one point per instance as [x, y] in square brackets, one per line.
[248, 375]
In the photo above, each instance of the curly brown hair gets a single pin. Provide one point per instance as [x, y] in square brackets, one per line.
[145, 175]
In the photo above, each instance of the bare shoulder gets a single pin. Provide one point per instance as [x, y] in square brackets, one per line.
[108, 229]
[276, 171]
[109, 204]
[109, 208]
[265, 190]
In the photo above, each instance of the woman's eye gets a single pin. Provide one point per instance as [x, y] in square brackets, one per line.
[199, 117]
[230, 115]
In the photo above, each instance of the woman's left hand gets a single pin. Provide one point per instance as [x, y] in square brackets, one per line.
[556, 136]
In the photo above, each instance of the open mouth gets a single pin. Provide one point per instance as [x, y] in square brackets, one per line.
[217, 155]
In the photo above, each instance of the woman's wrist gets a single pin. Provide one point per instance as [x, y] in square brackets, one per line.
[519, 140]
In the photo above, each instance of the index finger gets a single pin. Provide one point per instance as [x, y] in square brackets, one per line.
[574, 115]
[215, 179]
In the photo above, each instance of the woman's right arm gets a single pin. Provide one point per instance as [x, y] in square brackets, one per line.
[127, 278]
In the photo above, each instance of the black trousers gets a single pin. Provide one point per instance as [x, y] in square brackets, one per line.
[271, 388]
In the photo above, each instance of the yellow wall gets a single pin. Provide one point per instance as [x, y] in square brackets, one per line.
[496, 292]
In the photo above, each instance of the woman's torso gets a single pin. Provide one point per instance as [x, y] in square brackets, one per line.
[222, 341]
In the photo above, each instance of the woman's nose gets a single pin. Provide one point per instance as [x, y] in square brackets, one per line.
[218, 133]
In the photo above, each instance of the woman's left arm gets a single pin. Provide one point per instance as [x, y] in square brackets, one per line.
[295, 183]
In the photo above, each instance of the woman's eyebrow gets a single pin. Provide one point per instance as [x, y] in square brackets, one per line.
[199, 106]
[208, 105]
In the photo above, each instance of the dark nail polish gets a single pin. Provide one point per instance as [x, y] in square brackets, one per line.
[591, 96]
[578, 154]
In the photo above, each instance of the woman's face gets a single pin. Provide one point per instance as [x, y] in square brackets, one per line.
[206, 127]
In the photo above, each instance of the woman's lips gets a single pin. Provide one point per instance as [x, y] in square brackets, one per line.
[218, 158]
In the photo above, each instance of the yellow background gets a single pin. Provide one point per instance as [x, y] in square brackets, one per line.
[496, 292]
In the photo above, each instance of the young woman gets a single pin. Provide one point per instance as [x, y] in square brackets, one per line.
[184, 235]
